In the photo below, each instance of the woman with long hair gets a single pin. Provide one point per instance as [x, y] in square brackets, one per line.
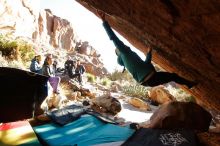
[48, 70]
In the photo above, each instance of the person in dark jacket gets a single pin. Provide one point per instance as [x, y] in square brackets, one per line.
[142, 71]
[35, 64]
[69, 67]
[47, 70]
[80, 70]
[55, 67]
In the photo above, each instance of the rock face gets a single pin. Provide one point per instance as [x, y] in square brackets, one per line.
[24, 18]
[185, 33]
[90, 59]
[55, 31]
[19, 17]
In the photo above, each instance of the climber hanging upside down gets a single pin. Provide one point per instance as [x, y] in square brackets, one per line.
[142, 71]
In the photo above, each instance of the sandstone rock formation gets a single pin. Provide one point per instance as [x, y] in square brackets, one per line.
[160, 95]
[185, 33]
[55, 31]
[106, 103]
[138, 103]
[86, 49]
[90, 59]
[19, 17]
[24, 18]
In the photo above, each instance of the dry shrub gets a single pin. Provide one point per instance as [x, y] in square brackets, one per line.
[18, 50]
[118, 75]
[9, 49]
[135, 90]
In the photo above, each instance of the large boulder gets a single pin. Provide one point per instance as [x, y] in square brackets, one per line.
[185, 33]
[160, 95]
[55, 31]
[181, 115]
[97, 70]
[106, 103]
[140, 104]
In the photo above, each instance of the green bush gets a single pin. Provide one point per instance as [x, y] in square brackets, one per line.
[16, 49]
[118, 75]
[8, 48]
[105, 81]
[136, 91]
[26, 51]
[90, 78]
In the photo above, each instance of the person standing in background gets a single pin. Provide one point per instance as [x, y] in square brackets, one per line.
[80, 70]
[69, 67]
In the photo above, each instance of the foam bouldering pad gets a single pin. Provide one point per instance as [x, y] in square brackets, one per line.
[18, 133]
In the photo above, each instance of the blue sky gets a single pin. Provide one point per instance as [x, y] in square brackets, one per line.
[88, 27]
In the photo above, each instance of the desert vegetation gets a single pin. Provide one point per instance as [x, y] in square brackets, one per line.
[18, 53]
[15, 52]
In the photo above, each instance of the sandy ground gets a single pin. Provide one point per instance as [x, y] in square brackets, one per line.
[129, 113]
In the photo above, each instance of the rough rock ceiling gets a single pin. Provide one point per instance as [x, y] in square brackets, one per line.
[186, 33]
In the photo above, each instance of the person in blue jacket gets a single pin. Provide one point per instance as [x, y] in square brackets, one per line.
[35, 64]
[142, 71]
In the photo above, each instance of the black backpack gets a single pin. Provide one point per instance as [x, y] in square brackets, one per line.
[159, 137]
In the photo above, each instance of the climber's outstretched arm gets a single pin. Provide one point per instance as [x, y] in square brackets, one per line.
[117, 42]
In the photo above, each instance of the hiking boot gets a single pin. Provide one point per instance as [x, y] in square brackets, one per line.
[57, 92]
